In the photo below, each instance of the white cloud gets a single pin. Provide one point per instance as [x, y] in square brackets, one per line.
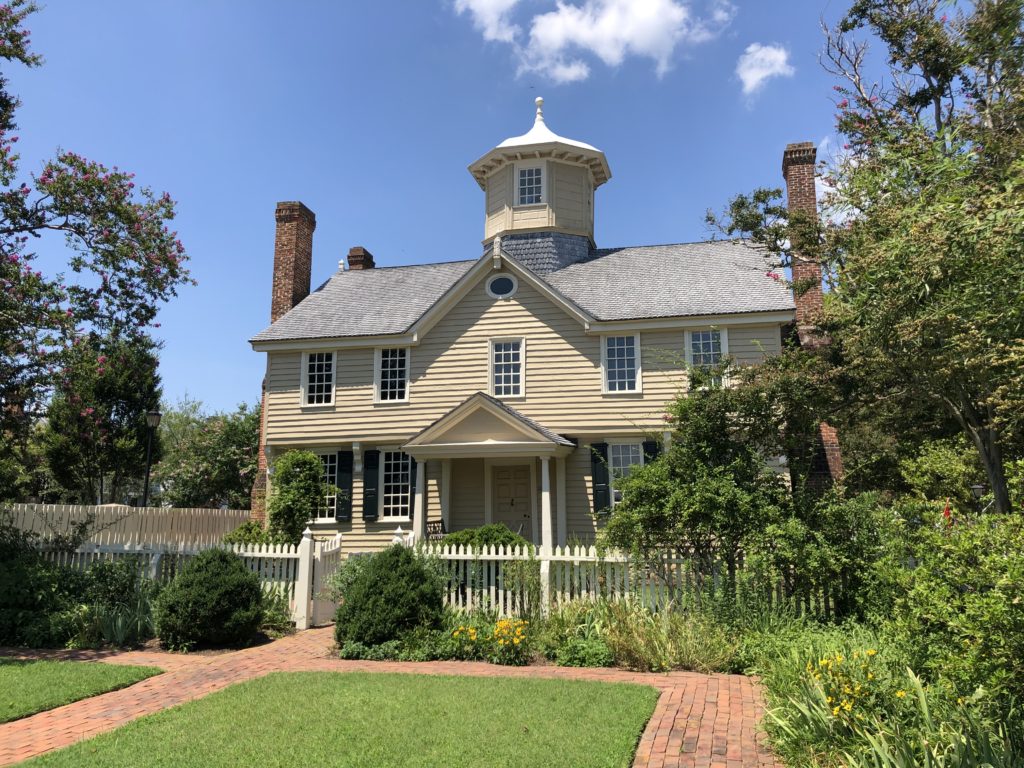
[610, 30]
[760, 63]
[491, 17]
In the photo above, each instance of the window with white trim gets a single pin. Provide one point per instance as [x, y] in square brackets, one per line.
[622, 457]
[507, 368]
[330, 505]
[706, 351]
[393, 374]
[531, 186]
[621, 364]
[319, 379]
[395, 485]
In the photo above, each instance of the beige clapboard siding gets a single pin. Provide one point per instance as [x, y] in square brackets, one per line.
[570, 197]
[563, 377]
[467, 494]
[499, 202]
[751, 344]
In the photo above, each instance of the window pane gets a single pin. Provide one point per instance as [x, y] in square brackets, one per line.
[396, 488]
[706, 350]
[506, 369]
[530, 184]
[393, 373]
[620, 364]
[330, 462]
[319, 378]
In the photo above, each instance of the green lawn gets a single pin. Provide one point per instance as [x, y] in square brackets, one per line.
[357, 719]
[27, 687]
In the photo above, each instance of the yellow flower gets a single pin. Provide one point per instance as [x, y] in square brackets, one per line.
[900, 694]
[871, 651]
[828, 699]
[871, 675]
[835, 711]
[847, 705]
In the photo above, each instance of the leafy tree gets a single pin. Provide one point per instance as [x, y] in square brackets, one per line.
[95, 438]
[711, 491]
[208, 460]
[125, 260]
[921, 241]
[298, 493]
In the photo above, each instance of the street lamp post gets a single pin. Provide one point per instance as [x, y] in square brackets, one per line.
[152, 421]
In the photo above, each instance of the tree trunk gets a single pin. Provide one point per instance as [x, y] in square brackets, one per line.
[986, 440]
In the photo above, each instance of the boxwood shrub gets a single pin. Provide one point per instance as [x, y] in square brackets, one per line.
[391, 592]
[213, 601]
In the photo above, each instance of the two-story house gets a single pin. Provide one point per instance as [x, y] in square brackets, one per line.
[516, 386]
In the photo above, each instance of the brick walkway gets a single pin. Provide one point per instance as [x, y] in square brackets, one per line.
[701, 721]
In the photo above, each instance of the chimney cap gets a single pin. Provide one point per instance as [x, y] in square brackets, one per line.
[293, 209]
[360, 258]
[798, 153]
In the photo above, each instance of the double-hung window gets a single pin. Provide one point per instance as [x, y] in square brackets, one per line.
[622, 457]
[393, 375]
[395, 485]
[318, 378]
[620, 357]
[328, 509]
[507, 366]
[531, 185]
[706, 349]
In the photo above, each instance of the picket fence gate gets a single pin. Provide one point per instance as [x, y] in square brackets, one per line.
[299, 572]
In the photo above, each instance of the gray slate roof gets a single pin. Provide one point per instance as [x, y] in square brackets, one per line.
[708, 278]
[367, 302]
[681, 280]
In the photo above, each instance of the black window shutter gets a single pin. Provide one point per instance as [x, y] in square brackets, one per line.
[652, 450]
[599, 477]
[343, 505]
[371, 476]
[412, 488]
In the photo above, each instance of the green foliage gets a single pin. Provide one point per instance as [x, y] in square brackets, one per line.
[276, 620]
[209, 459]
[393, 592]
[961, 616]
[493, 535]
[214, 600]
[942, 469]
[253, 532]
[298, 494]
[95, 437]
[584, 652]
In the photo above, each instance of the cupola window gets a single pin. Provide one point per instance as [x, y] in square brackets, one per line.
[531, 185]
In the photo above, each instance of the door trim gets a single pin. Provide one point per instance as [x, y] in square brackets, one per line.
[489, 465]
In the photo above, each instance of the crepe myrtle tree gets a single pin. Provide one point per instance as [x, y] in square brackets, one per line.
[124, 260]
[921, 237]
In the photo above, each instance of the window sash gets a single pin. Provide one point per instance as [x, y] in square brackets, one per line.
[319, 379]
[329, 508]
[531, 186]
[396, 496]
[507, 368]
[622, 458]
[393, 374]
[621, 364]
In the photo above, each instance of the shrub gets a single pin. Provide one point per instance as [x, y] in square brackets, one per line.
[249, 532]
[493, 535]
[584, 652]
[391, 593]
[276, 620]
[214, 600]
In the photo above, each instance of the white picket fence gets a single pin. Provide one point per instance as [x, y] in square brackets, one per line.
[117, 524]
[299, 572]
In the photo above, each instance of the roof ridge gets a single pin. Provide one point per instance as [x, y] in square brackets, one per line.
[668, 245]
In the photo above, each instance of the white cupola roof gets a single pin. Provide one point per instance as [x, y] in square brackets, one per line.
[541, 141]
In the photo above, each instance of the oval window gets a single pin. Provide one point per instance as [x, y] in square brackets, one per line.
[502, 286]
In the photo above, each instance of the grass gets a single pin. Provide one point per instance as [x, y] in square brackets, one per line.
[353, 719]
[27, 687]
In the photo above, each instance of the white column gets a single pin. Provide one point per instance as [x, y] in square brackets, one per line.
[562, 533]
[547, 532]
[419, 517]
[446, 493]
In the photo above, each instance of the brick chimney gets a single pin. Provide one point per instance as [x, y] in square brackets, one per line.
[798, 170]
[798, 162]
[293, 257]
[360, 258]
[293, 267]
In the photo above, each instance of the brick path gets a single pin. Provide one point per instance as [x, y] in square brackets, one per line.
[701, 721]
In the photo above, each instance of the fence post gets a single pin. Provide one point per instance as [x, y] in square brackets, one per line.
[304, 581]
[154, 565]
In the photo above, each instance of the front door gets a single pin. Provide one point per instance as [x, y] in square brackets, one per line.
[512, 499]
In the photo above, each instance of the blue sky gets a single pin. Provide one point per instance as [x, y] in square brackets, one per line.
[369, 113]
